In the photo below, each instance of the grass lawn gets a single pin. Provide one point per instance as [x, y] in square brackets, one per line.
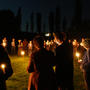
[19, 79]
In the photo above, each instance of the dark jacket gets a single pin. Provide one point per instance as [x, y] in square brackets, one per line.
[4, 75]
[43, 76]
[64, 64]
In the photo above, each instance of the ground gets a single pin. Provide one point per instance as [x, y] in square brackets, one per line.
[19, 79]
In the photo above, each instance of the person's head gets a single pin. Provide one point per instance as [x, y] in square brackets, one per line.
[60, 36]
[38, 42]
[86, 43]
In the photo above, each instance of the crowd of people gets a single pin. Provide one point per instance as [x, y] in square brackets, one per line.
[42, 60]
[50, 63]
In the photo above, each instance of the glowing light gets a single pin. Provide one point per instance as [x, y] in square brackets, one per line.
[81, 44]
[3, 66]
[80, 60]
[47, 42]
[47, 34]
[22, 53]
[77, 54]
[74, 42]
[4, 44]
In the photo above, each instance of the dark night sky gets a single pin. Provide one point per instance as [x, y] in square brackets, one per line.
[44, 6]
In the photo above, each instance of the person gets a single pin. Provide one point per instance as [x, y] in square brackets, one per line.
[30, 48]
[13, 47]
[64, 62]
[5, 68]
[85, 64]
[81, 49]
[25, 46]
[20, 47]
[42, 75]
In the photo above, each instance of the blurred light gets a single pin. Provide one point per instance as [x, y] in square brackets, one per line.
[4, 44]
[74, 42]
[47, 34]
[22, 53]
[80, 60]
[81, 44]
[77, 54]
[3, 66]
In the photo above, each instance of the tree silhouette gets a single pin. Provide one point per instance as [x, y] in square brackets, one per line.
[57, 20]
[77, 18]
[51, 22]
[7, 21]
[27, 27]
[19, 19]
[38, 17]
[32, 22]
[44, 27]
[64, 26]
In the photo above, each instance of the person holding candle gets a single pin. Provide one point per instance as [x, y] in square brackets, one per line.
[42, 75]
[85, 64]
[64, 62]
[5, 68]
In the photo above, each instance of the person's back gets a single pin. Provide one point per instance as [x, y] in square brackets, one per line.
[43, 76]
[44, 61]
[64, 68]
[64, 63]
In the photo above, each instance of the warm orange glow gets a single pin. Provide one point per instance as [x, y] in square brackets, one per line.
[74, 42]
[4, 44]
[47, 34]
[22, 53]
[77, 54]
[80, 60]
[3, 66]
[81, 44]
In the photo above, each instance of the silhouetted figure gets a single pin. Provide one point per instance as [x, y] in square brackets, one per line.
[5, 68]
[13, 47]
[64, 63]
[85, 64]
[42, 76]
[39, 22]
[81, 49]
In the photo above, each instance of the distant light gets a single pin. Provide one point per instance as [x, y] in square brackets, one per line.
[22, 53]
[77, 54]
[47, 34]
[81, 44]
[74, 42]
[3, 66]
[80, 60]
[4, 44]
